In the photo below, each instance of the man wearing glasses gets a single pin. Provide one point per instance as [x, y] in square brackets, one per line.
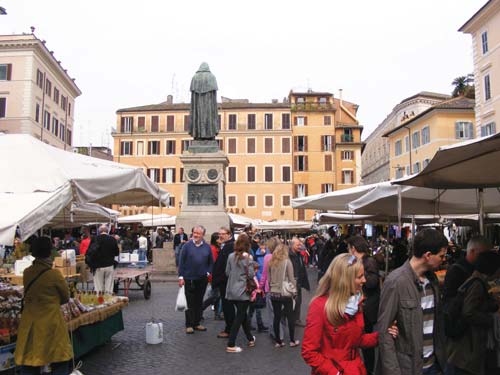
[219, 279]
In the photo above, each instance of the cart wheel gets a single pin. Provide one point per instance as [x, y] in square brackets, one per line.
[147, 289]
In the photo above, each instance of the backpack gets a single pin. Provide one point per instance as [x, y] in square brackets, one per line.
[454, 324]
[92, 255]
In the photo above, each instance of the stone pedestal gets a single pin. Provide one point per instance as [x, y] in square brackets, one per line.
[164, 258]
[203, 202]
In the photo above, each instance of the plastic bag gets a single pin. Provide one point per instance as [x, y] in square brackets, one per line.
[181, 303]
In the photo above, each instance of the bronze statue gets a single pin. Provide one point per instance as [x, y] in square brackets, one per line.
[204, 118]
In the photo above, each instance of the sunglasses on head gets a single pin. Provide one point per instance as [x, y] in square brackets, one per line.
[352, 260]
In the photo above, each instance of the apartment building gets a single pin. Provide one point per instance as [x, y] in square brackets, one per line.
[414, 143]
[375, 156]
[484, 27]
[307, 144]
[37, 95]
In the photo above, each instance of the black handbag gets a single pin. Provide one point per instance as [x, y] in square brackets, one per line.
[250, 285]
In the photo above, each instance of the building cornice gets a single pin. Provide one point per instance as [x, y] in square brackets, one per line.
[481, 17]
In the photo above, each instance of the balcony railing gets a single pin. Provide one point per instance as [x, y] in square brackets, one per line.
[346, 138]
[304, 107]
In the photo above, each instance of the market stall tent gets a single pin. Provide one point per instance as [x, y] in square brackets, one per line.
[33, 167]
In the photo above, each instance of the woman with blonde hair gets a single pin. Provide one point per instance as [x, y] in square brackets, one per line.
[282, 289]
[334, 331]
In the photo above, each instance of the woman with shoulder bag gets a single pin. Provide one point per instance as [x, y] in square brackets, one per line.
[282, 289]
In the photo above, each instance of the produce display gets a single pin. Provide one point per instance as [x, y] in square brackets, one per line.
[10, 312]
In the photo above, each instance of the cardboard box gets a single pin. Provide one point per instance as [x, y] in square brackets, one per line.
[62, 262]
[125, 257]
[67, 271]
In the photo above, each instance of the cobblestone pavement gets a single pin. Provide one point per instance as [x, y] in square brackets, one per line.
[201, 353]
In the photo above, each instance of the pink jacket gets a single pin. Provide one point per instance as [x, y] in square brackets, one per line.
[264, 282]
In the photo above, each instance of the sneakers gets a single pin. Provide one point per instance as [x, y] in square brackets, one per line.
[223, 335]
[251, 343]
[295, 343]
[299, 323]
[233, 349]
[200, 328]
[189, 330]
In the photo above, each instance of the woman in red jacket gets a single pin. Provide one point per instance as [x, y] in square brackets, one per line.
[334, 331]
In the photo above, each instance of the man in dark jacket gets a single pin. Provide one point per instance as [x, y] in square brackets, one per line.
[410, 296]
[219, 279]
[300, 273]
[180, 239]
[107, 250]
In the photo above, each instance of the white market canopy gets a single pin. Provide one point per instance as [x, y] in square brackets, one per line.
[40, 180]
[466, 165]
[334, 201]
[283, 225]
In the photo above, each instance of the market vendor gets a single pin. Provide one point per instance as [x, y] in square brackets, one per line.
[43, 337]
[21, 249]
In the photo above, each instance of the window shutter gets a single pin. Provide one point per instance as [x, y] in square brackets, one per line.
[9, 72]
[471, 131]
[295, 144]
[306, 190]
[186, 123]
[322, 143]
[306, 168]
[164, 175]
[121, 148]
[173, 175]
[305, 120]
[170, 123]
[295, 120]
[305, 143]
[295, 163]
[122, 125]
[322, 188]
[131, 124]
[148, 172]
[172, 202]
[173, 147]
[131, 148]
[457, 131]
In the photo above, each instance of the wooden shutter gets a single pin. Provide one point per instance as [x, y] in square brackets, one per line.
[322, 188]
[164, 175]
[295, 143]
[286, 200]
[148, 172]
[285, 145]
[295, 163]
[181, 174]
[268, 145]
[251, 201]
[295, 120]
[170, 123]
[305, 143]
[231, 146]
[154, 123]
[9, 72]
[173, 175]
[328, 163]
[322, 143]
[305, 120]
[306, 190]
[301, 214]
[172, 202]
[186, 123]
[122, 125]
[306, 168]
[121, 147]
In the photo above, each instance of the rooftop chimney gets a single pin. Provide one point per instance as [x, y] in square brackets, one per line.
[274, 101]
[170, 99]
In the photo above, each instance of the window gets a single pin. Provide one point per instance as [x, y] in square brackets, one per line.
[37, 112]
[407, 144]
[154, 148]
[328, 163]
[181, 174]
[46, 120]
[5, 72]
[68, 136]
[488, 129]
[63, 102]
[326, 188]
[300, 143]
[155, 124]
[170, 123]
[425, 163]
[268, 174]
[231, 174]
[221, 144]
[397, 148]
[300, 190]
[285, 145]
[285, 200]
[48, 87]
[250, 200]
[168, 176]
[347, 155]
[322, 100]
[219, 121]
[140, 148]
[126, 148]
[268, 145]
[171, 201]
[408, 170]
[154, 174]
[285, 121]
[250, 145]
[268, 121]
[39, 78]
[232, 122]
[347, 177]
[69, 109]
[141, 123]
[268, 200]
[185, 145]
[399, 172]
[484, 42]
[464, 130]
[300, 120]
[415, 140]
[231, 146]
[62, 131]
[127, 124]
[170, 148]
[251, 174]
[286, 173]
[55, 126]
[326, 143]
[300, 100]
[231, 200]
[487, 87]
[416, 167]
[327, 120]
[300, 163]
[426, 135]
[186, 123]
[3, 107]
[251, 121]
[56, 95]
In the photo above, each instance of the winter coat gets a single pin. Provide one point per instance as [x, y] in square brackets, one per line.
[219, 278]
[469, 352]
[42, 336]
[323, 342]
[236, 272]
[371, 290]
[299, 270]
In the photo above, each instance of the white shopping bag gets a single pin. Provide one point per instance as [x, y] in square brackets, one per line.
[181, 303]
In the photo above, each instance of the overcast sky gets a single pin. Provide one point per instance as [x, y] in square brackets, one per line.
[129, 53]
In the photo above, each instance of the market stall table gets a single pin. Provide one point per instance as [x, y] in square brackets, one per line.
[130, 274]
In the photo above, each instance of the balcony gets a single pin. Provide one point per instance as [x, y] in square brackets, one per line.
[346, 138]
[313, 107]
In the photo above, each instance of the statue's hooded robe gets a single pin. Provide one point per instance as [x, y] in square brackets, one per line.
[204, 117]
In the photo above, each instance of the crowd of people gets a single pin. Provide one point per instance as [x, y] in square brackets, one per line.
[353, 311]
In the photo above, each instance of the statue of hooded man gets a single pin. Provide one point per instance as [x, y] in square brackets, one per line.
[203, 116]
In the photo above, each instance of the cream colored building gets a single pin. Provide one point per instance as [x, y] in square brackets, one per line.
[375, 157]
[277, 151]
[484, 27]
[413, 143]
[37, 96]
